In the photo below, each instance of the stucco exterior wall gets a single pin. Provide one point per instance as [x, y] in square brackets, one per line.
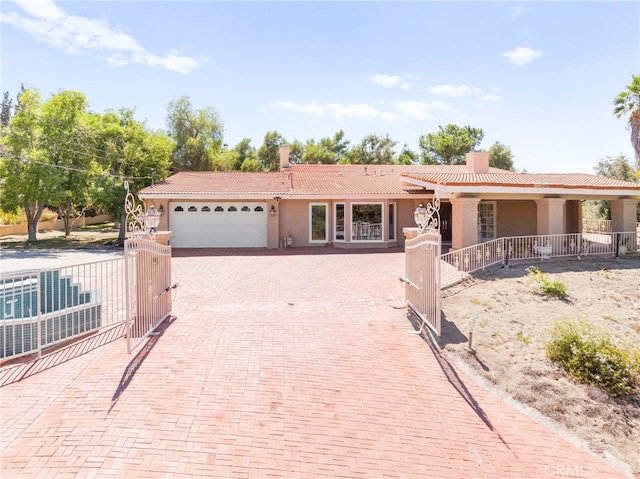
[294, 218]
[516, 218]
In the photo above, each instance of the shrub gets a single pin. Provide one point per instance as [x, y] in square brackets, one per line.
[594, 357]
[545, 286]
[18, 217]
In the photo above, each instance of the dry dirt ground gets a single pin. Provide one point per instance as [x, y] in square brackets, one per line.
[512, 326]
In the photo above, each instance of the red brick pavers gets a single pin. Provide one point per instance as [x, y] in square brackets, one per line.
[289, 364]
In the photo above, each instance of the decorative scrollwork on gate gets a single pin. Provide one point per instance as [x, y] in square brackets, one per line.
[432, 218]
[136, 218]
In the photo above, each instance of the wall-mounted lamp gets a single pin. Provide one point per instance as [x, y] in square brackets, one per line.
[272, 210]
[278, 199]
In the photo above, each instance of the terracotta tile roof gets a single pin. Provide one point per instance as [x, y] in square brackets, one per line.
[524, 180]
[229, 183]
[369, 180]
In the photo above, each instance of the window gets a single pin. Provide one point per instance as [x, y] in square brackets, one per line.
[339, 221]
[366, 222]
[178, 208]
[219, 208]
[232, 208]
[318, 222]
[258, 208]
[392, 221]
[192, 208]
[246, 208]
[486, 221]
[205, 208]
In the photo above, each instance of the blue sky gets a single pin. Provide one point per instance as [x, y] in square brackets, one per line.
[539, 77]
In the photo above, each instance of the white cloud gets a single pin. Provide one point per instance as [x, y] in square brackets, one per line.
[386, 81]
[451, 90]
[391, 117]
[48, 23]
[417, 110]
[406, 85]
[521, 55]
[490, 97]
[335, 110]
[517, 11]
[440, 105]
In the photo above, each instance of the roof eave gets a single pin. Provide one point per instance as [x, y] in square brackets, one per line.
[524, 190]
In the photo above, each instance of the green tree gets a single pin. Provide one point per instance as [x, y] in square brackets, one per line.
[628, 103]
[372, 150]
[245, 151]
[67, 137]
[407, 156]
[46, 163]
[268, 153]
[449, 145]
[621, 168]
[317, 153]
[296, 152]
[226, 161]
[251, 164]
[198, 135]
[500, 156]
[5, 115]
[129, 151]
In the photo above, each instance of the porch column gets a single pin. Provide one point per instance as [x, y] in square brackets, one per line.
[623, 215]
[464, 219]
[551, 216]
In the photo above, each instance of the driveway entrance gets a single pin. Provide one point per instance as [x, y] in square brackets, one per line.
[276, 364]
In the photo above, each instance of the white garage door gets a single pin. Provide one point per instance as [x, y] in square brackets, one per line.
[218, 225]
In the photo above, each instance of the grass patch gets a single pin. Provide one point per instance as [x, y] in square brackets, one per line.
[102, 227]
[545, 286]
[60, 242]
[595, 357]
[477, 302]
[522, 338]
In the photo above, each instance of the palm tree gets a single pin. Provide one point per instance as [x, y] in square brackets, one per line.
[628, 101]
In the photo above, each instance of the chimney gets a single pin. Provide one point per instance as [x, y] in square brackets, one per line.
[284, 157]
[478, 162]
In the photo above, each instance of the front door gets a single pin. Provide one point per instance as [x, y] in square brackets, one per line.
[445, 221]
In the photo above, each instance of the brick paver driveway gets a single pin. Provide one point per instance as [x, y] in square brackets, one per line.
[275, 365]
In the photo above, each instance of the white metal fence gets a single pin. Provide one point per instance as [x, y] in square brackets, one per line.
[457, 265]
[148, 301]
[596, 226]
[363, 231]
[422, 280]
[43, 308]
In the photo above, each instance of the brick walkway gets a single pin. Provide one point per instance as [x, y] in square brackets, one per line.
[275, 365]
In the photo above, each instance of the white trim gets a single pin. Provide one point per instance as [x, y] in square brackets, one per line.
[395, 220]
[326, 222]
[495, 220]
[383, 226]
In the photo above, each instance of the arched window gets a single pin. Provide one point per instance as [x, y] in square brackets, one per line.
[178, 208]
[192, 208]
[219, 208]
[259, 208]
[205, 208]
[246, 208]
[232, 208]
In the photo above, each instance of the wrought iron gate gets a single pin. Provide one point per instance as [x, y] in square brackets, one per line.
[148, 288]
[422, 278]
